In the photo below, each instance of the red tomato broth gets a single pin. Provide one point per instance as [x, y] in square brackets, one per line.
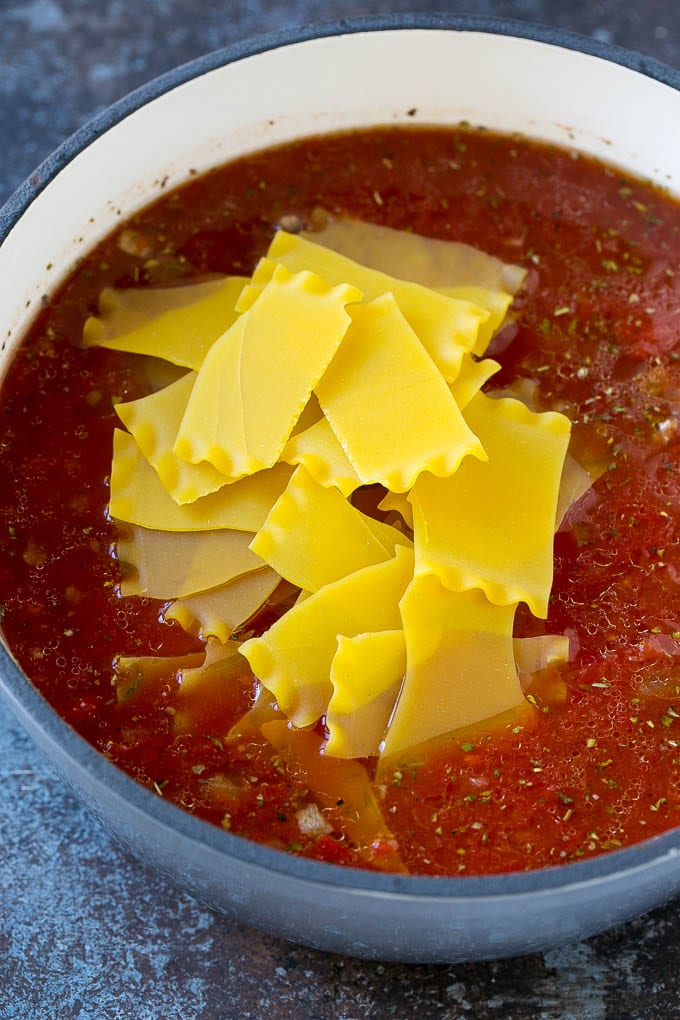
[597, 329]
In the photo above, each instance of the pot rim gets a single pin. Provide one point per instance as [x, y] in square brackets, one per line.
[25, 699]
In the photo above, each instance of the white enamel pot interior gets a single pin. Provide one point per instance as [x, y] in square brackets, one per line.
[511, 77]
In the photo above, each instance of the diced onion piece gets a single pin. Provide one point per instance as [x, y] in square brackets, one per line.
[312, 822]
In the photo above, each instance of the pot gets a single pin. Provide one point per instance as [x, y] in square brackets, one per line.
[612, 104]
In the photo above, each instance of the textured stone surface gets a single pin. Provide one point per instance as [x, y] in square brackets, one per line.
[63, 60]
[87, 932]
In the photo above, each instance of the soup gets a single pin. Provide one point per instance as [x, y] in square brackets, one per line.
[593, 764]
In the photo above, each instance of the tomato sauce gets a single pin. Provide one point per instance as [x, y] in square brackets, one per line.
[598, 327]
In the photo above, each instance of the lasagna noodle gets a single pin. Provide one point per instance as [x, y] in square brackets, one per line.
[314, 536]
[138, 497]
[388, 404]
[146, 674]
[293, 658]
[389, 536]
[220, 658]
[472, 376]
[491, 525]
[154, 421]
[366, 673]
[263, 710]
[210, 690]
[532, 654]
[427, 260]
[171, 565]
[575, 482]
[495, 302]
[258, 378]
[218, 613]
[178, 324]
[447, 327]
[318, 450]
[460, 664]
[453, 269]
[398, 501]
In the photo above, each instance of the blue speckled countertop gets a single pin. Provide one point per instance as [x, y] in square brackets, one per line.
[85, 930]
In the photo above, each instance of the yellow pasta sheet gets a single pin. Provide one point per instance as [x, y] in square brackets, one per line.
[319, 451]
[311, 414]
[576, 478]
[388, 535]
[178, 324]
[532, 654]
[389, 405]
[263, 710]
[447, 327]
[460, 665]
[217, 613]
[472, 376]
[172, 565]
[208, 691]
[154, 421]
[366, 673]
[221, 659]
[575, 483]
[257, 379]
[491, 525]
[428, 260]
[138, 497]
[398, 501]
[314, 536]
[146, 674]
[158, 373]
[450, 267]
[293, 658]
[495, 302]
